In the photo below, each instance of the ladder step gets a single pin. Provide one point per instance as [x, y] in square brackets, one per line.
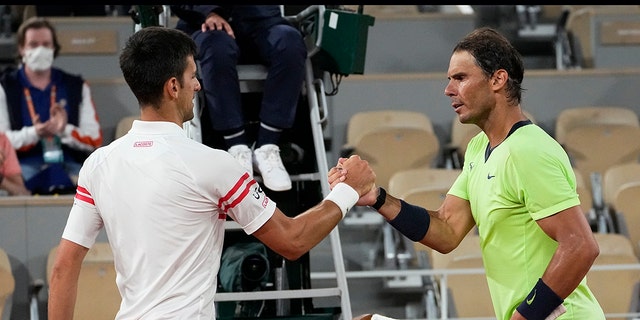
[251, 72]
[281, 294]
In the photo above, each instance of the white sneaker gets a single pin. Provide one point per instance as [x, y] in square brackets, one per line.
[268, 163]
[243, 154]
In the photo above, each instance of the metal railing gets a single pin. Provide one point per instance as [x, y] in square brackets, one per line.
[443, 275]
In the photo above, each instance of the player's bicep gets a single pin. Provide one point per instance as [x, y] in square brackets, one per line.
[566, 224]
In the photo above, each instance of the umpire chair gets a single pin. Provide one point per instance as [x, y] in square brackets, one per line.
[304, 155]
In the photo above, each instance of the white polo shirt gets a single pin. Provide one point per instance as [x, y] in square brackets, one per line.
[163, 199]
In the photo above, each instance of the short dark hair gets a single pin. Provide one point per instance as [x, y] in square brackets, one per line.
[37, 23]
[153, 55]
[492, 52]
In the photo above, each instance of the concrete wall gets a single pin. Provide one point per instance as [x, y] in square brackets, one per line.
[420, 43]
[547, 93]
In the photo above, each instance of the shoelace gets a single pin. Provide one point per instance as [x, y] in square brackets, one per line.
[244, 156]
[273, 158]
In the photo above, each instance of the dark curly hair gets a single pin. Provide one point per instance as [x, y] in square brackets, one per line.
[492, 52]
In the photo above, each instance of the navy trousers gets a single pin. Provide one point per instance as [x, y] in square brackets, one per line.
[281, 48]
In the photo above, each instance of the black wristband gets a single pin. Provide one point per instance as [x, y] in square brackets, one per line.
[1, 177]
[540, 302]
[382, 197]
[412, 221]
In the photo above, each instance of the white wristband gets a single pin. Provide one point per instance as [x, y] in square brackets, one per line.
[344, 196]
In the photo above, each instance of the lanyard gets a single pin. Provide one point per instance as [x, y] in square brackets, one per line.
[52, 152]
[32, 111]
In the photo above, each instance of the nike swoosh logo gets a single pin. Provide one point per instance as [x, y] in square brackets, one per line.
[530, 301]
[489, 176]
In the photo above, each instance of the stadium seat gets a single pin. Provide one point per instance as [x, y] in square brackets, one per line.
[625, 205]
[583, 23]
[98, 296]
[597, 147]
[597, 138]
[392, 140]
[617, 176]
[616, 290]
[571, 118]
[7, 286]
[425, 187]
[363, 122]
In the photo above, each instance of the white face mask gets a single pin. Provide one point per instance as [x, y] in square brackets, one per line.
[38, 59]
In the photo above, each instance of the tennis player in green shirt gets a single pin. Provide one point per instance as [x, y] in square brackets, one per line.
[517, 186]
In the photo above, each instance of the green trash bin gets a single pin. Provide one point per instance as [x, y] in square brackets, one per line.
[343, 44]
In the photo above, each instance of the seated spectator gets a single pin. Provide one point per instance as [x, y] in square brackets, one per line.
[230, 35]
[10, 173]
[47, 113]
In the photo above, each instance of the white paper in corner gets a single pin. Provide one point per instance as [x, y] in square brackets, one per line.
[333, 20]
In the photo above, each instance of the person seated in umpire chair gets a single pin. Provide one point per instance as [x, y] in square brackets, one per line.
[237, 34]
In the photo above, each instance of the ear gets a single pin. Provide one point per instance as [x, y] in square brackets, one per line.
[499, 78]
[171, 87]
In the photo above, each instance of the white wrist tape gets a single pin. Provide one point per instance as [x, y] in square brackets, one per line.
[344, 196]
[556, 313]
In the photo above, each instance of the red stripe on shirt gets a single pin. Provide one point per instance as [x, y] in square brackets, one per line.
[84, 198]
[235, 189]
[83, 194]
[241, 197]
[83, 190]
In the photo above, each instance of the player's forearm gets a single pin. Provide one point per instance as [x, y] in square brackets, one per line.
[568, 266]
[430, 228]
[62, 298]
[307, 229]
